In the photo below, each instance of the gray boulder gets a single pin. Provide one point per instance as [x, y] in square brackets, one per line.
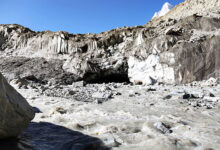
[15, 112]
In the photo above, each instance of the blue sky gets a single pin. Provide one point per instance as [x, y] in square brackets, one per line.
[79, 16]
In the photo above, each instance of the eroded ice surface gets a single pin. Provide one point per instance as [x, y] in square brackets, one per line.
[151, 70]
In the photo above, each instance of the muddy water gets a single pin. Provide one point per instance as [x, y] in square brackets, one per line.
[129, 121]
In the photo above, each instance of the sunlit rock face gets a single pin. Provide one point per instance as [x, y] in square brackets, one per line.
[15, 112]
[169, 50]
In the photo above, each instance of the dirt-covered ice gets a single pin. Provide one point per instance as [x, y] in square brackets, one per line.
[125, 116]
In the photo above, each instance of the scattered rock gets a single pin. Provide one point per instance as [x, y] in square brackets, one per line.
[186, 96]
[79, 84]
[103, 95]
[211, 95]
[211, 82]
[104, 88]
[151, 89]
[152, 104]
[98, 101]
[131, 93]
[20, 83]
[118, 93]
[167, 97]
[209, 107]
[70, 93]
[192, 96]
[211, 99]
[61, 110]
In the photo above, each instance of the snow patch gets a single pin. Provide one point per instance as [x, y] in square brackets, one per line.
[165, 9]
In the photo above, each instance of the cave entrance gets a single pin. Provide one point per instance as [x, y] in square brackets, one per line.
[117, 78]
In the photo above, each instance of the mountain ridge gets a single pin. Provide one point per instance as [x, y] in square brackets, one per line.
[164, 10]
[188, 8]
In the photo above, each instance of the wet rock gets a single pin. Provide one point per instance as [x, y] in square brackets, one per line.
[209, 107]
[61, 110]
[167, 97]
[152, 89]
[162, 128]
[186, 96]
[211, 95]
[99, 101]
[132, 93]
[192, 95]
[15, 112]
[118, 93]
[152, 104]
[111, 142]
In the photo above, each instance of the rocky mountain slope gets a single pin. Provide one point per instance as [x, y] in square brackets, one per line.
[164, 50]
[190, 7]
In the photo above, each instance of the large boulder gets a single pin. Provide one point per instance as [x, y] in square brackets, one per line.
[15, 112]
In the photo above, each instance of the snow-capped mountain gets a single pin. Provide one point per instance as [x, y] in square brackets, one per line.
[165, 9]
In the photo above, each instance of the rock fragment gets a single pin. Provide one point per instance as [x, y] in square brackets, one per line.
[162, 128]
[167, 97]
[102, 95]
